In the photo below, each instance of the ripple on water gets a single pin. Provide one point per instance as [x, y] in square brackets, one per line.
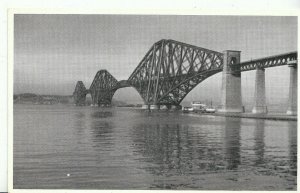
[131, 149]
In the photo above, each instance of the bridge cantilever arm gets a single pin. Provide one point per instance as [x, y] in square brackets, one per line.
[207, 73]
[158, 46]
[195, 47]
[141, 63]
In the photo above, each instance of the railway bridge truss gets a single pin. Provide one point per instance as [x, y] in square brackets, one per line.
[171, 69]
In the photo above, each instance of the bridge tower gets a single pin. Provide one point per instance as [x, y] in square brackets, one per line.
[79, 94]
[103, 88]
[292, 101]
[231, 94]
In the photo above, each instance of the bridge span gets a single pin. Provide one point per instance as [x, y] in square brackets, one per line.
[171, 69]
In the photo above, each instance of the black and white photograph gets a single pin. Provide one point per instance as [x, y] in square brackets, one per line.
[154, 101]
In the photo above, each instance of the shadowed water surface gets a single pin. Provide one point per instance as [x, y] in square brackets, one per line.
[68, 147]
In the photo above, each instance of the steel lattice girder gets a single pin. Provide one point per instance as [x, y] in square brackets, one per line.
[103, 87]
[164, 74]
[79, 93]
[169, 71]
[268, 62]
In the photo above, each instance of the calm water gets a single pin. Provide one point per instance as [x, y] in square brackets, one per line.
[91, 148]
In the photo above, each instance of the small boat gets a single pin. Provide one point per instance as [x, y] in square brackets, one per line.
[198, 106]
[202, 108]
[187, 109]
[210, 110]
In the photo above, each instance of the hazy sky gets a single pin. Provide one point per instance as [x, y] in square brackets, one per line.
[52, 52]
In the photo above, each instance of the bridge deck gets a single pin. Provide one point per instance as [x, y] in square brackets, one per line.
[267, 62]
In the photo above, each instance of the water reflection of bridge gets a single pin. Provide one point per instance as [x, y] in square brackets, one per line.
[178, 149]
[182, 149]
[171, 69]
[167, 148]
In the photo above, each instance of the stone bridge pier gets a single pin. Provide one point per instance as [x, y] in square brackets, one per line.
[231, 94]
[161, 107]
[292, 101]
[260, 92]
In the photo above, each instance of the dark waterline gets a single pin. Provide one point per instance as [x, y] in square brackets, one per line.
[68, 147]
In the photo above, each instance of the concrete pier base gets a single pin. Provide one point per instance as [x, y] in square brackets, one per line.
[174, 107]
[145, 107]
[260, 106]
[260, 110]
[163, 107]
[231, 95]
[154, 107]
[292, 101]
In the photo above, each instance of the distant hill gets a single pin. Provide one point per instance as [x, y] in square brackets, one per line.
[31, 98]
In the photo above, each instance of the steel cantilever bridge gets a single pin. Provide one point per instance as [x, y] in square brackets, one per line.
[168, 72]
